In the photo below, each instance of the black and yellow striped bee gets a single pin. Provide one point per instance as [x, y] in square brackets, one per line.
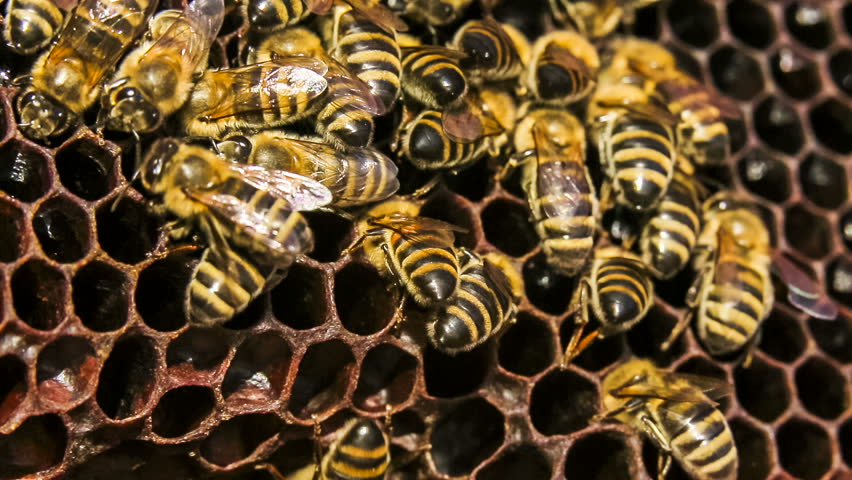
[562, 68]
[361, 451]
[494, 52]
[273, 15]
[30, 25]
[430, 12]
[596, 18]
[431, 76]
[678, 413]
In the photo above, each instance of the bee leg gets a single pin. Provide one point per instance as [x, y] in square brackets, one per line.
[578, 343]
[427, 187]
[653, 431]
[271, 469]
[398, 318]
[691, 302]
[751, 346]
[664, 462]
[358, 241]
[317, 447]
[681, 325]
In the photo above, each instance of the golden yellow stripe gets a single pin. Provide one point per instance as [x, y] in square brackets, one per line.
[356, 452]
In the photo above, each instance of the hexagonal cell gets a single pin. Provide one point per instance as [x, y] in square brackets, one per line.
[562, 402]
[388, 375]
[472, 183]
[845, 436]
[181, 410]
[324, 374]
[100, 294]
[685, 61]
[823, 181]
[600, 354]
[198, 348]
[694, 22]
[39, 294]
[754, 449]
[465, 435]
[704, 367]
[600, 456]
[519, 461]
[781, 337]
[12, 237]
[161, 290]
[251, 316]
[237, 438]
[751, 23]
[127, 378]
[838, 276]
[645, 338]
[441, 371]
[365, 302]
[527, 346]
[647, 23]
[765, 175]
[257, 373]
[299, 301]
[549, 291]
[796, 74]
[833, 338]
[506, 226]
[127, 231]
[24, 172]
[804, 449]
[831, 122]
[327, 247]
[807, 232]
[778, 126]
[735, 73]
[762, 390]
[65, 371]
[86, 168]
[63, 231]
[810, 24]
[840, 66]
[13, 385]
[38, 444]
[821, 388]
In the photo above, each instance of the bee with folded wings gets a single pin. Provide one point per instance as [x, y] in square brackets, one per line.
[248, 214]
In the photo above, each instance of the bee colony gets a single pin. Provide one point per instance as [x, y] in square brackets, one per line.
[426, 239]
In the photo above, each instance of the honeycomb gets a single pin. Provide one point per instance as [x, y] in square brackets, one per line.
[101, 375]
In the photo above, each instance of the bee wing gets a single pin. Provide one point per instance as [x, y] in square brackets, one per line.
[380, 15]
[192, 33]
[650, 110]
[302, 193]
[713, 388]
[450, 53]
[499, 278]
[803, 292]
[352, 92]
[319, 7]
[563, 56]
[561, 177]
[689, 388]
[468, 121]
[414, 229]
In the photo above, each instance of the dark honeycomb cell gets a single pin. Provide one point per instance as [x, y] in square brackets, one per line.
[127, 378]
[549, 291]
[840, 66]
[600, 456]
[647, 24]
[782, 337]
[38, 444]
[778, 126]
[796, 74]
[600, 354]
[502, 216]
[249, 317]
[298, 301]
[239, 437]
[686, 62]
[465, 435]
[735, 73]
[472, 183]
[181, 410]
[324, 374]
[127, 231]
[751, 23]
[137, 460]
[519, 461]
[62, 229]
[86, 169]
[329, 244]
[365, 302]
[65, 371]
[257, 373]
[13, 385]
[161, 291]
[821, 388]
[823, 181]
[753, 448]
[765, 175]
[100, 295]
[562, 402]
[198, 348]
[808, 233]
[39, 294]
[527, 346]
[762, 390]
[768, 217]
[24, 172]
[646, 337]
[845, 436]
[831, 122]
[442, 372]
[804, 449]
[387, 377]
[847, 18]
[12, 232]
[451, 209]
[839, 280]
[809, 23]
[651, 457]
[694, 22]
[833, 337]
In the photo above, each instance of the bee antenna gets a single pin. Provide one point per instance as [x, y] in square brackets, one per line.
[136, 172]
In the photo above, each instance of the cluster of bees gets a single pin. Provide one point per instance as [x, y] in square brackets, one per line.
[336, 65]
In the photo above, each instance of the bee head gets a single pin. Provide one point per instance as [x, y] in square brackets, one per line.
[131, 111]
[153, 167]
[42, 117]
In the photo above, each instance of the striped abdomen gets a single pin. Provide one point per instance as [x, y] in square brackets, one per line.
[559, 77]
[31, 24]
[271, 15]
[702, 134]
[426, 146]
[640, 154]
[344, 119]
[624, 294]
[427, 266]
[431, 77]
[489, 50]
[363, 453]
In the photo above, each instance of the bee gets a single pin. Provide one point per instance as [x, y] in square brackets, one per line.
[431, 12]
[678, 413]
[249, 214]
[431, 76]
[562, 68]
[155, 79]
[484, 304]
[493, 53]
[261, 95]
[66, 80]
[618, 288]
[360, 452]
[595, 19]
[357, 177]
[31, 24]
[273, 15]
[551, 145]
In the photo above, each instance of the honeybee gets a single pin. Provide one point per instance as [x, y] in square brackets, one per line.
[618, 288]
[245, 208]
[430, 12]
[431, 76]
[272, 15]
[357, 177]
[66, 80]
[484, 304]
[678, 413]
[155, 79]
[597, 18]
[562, 68]
[494, 52]
[31, 24]
[261, 95]
[360, 452]
[551, 145]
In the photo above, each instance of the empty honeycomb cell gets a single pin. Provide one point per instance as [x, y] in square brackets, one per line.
[65, 371]
[13, 385]
[526, 348]
[100, 295]
[807, 232]
[39, 294]
[249, 317]
[782, 337]
[762, 390]
[754, 449]
[328, 244]
[200, 348]
[845, 437]
[237, 438]
[24, 172]
[600, 456]
[686, 62]
[472, 183]
[38, 444]
[768, 216]
[502, 216]
[823, 181]
[298, 301]
[694, 22]
[839, 280]
[62, 229]
[290, 457]
[821, 388]
[127, 231]
[751, 22]
[454, 376]
[840, 65]
[647, 24]
[324, 374]
[519, 461]
[549, 291]
[778, 125]
[645, 338]
[735, 73]
[181, 410]
[804, 449]
[451, 209]
[86, 168]
[387, 377]
[465, 435]
[562, 402]
[602, 353]
[257, 373]
[809, 23]
[796, 74]
[365, 302]
[127, 378]
[765, 175]
[161, 290]
[833, 337]
[831, 122]
[12, 232]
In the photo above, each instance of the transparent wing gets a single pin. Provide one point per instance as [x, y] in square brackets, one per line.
[191, 34]
[649, 110]
[499, 279]
[565, 177]
[468, 121]
[803, 291]
[420, 229]
[380, 15]
[302, 193]
[348, 90]
[678, 387]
